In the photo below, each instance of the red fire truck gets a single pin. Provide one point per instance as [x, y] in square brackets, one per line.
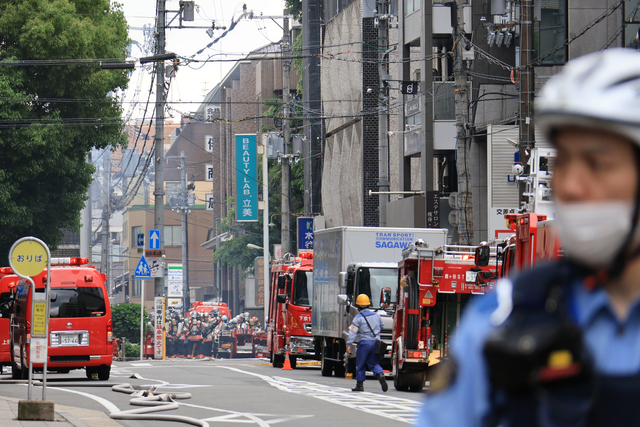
[7, 287]
[535, 240]
[291, 289]
[434, 286]
[80, 326]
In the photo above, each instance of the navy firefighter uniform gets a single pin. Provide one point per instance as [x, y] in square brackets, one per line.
[365, 330]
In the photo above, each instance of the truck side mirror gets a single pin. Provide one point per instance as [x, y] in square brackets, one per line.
[282, 298]
[342, 280]
[342, 299]
[281, 284]
[483, 253]
[385, 297]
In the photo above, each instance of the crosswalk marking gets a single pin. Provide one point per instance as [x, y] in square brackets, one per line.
[395, 408]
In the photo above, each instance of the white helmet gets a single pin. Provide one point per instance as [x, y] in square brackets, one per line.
[225, 318]
[599, 90]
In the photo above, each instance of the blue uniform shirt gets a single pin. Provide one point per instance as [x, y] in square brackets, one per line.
[360, 329]
[614, 345]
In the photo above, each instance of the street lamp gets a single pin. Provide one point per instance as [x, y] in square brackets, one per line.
[252, 246]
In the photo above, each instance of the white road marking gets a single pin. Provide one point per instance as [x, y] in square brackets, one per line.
[104, 402]
[141, 364]
[246, 417]
[395, 408]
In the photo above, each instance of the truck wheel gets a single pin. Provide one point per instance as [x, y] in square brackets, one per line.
[326, 366]
[416, 387]
[90, 370]
[399, 380]
[103, 372]
[15, 372]
[339, 369]
[292, 361]
[25, 369]
[278, 360]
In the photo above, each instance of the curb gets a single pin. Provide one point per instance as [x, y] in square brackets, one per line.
[77, 417]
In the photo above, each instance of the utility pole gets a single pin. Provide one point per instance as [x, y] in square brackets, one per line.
[383, 113]
[159, 139]
[461, 90]
[184, 211]
[526, 137]
[286, 166]
[311, 94]
[106, 212]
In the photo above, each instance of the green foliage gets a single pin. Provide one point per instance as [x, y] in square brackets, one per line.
[131, 350]
[45, 139]
[295, 8]
[126, 321]
[297, 62]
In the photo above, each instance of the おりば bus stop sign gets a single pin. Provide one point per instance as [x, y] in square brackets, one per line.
[28, 257]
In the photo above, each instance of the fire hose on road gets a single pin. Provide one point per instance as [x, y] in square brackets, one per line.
[144, 396]
[155, 402]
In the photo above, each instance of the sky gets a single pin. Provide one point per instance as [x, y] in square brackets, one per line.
[194, 81]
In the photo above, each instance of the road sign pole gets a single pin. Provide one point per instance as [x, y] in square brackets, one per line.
[28, 256]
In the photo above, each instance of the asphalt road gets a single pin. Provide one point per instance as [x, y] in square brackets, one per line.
[232, 392]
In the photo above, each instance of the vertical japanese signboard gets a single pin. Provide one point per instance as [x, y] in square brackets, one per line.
[174, 271]
[158, 310]
[433, 209]
[247, 178]
[305, 233]
[259, 275]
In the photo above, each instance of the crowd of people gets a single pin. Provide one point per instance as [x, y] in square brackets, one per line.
[198, 333]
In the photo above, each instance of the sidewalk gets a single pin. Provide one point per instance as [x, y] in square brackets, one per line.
[65, 416]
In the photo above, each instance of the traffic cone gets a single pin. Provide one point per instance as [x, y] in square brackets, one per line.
[287, 363]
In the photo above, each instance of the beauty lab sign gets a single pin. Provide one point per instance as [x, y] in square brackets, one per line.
[247, 178]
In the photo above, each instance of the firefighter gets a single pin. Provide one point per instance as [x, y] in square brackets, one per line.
[254, 323]
[559, 345]
[366, 329]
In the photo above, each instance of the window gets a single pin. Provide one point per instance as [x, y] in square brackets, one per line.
[550, 33]
[82, 301]
[134, 235]
[632, 21]
[137, 287]
[376, 283]
[302, 288]
[411, 6]
[444, 107]
[172, 235]
[173, 187]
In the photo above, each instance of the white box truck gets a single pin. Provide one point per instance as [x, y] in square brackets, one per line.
[349, 261]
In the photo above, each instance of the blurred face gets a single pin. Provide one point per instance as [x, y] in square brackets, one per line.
[593, 166]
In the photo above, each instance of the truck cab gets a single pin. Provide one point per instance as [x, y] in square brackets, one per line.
[378, 281]
[290, 312]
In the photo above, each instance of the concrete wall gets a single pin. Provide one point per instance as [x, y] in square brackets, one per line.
[341, 80]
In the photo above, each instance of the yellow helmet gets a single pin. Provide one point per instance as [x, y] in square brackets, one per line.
[363, 301]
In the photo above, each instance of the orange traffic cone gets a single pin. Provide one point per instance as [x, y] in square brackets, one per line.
[287, 363]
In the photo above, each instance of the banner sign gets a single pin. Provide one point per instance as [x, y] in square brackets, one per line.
[247, 178]
[258, 272]
[158, 310]
[174, 271]
[305, 233]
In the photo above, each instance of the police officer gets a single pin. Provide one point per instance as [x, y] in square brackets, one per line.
[560, 345]
[366, 329]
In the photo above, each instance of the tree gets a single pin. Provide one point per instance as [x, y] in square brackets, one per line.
[52, 115]
[126, 321]
[295, 8]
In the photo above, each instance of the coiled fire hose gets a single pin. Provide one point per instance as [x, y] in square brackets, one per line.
[144, 396]
[155, 402]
